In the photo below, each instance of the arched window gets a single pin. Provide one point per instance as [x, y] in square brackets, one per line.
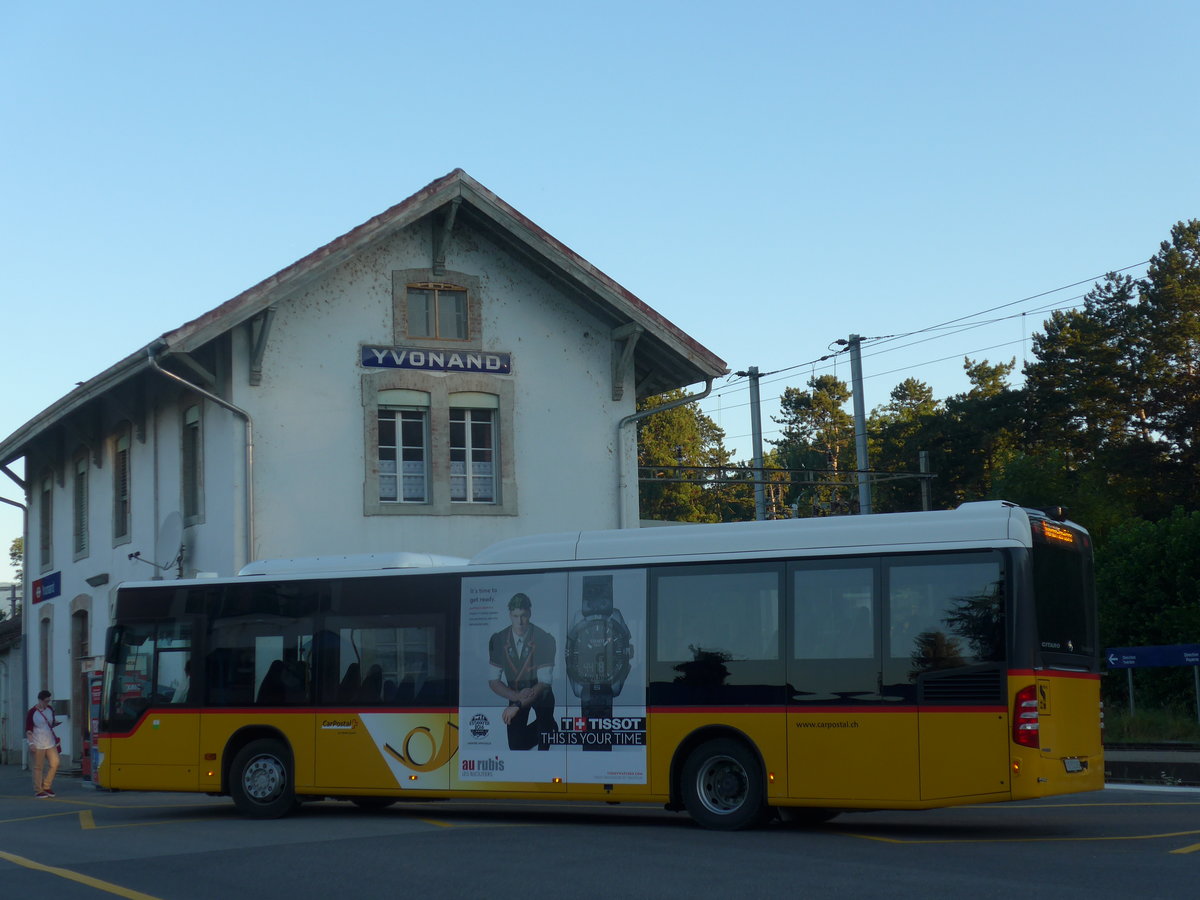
[191, 452]
[121, 485]
[438, 445]
[45, 645]
[403, 446]
[473, 429]
[46, 522]
[79, 513]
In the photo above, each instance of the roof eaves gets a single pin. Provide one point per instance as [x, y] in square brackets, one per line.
[250, 302]
[14, 446]
[233, 312]
[622, 299]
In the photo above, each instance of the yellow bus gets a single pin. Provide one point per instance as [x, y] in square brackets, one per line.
[795, 668]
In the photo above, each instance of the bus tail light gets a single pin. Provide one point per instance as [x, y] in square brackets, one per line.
[1025, 718]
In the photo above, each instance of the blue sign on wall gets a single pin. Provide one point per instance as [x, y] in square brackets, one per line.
[47, 587]
[437, 360]
[1166, 655]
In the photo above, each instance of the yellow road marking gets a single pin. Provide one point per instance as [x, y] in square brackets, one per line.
[1030, 840]
[1017, 807]
[98, 805]
[1190, 849]
[87, 822]
[32, 818]
[106, 886]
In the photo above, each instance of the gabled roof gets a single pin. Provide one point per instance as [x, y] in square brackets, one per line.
[665, 357]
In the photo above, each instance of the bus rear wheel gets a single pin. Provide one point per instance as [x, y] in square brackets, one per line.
[261, 780]
[723, 786]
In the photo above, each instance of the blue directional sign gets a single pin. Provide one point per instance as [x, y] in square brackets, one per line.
[1138, 657]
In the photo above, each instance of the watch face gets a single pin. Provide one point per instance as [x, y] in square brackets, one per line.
[597, 653]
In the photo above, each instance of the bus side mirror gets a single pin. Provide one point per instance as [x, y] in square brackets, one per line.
[112, 643]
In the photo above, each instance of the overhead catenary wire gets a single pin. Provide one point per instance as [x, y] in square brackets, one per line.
[948, 328]
[952, 327]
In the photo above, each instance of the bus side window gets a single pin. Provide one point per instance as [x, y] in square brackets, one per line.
[716, 634]
[833, 615]
[262, 637]
[945, 611]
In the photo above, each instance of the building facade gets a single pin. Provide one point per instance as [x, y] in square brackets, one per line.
[442, 377]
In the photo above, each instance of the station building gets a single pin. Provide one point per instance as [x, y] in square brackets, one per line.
[443, 376]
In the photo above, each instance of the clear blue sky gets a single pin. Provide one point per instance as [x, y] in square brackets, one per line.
[769, 176]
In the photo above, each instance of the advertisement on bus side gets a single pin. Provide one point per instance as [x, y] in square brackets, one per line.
[552, 679]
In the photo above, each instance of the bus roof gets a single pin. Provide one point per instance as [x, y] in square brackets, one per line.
[349, 562]
[995, 523]
[986, 523]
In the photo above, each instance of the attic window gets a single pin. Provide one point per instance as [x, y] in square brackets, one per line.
[437, 311]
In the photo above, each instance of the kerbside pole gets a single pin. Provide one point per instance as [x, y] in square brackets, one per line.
[860, 425]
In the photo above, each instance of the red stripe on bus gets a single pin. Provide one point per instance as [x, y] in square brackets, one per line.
[810, 710]
[274, 711]
[1053, 673]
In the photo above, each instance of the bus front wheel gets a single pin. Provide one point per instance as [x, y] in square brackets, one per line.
[261, 780]
[723, 786]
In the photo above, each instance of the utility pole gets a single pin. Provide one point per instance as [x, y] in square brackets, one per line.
[926, 487]
[860, 425]
[760, 496]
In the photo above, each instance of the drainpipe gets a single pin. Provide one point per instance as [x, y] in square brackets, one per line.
[24, 606]
[623, 504]
[249, 425]
[4, 705]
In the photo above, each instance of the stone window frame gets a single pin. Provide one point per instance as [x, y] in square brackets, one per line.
[440, 387]
[122, 516]
[402, 278]
[191, 477]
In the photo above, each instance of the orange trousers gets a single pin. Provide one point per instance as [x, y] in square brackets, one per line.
[43, 764]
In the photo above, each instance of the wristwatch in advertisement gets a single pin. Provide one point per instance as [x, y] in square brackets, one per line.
[598, 649]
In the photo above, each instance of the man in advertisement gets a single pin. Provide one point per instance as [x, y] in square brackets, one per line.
[522, 667]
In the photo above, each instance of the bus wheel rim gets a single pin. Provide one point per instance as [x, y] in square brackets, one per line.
[722, 785]
[264, 779]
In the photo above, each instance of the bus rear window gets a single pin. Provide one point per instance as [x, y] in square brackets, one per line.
[1064, 608]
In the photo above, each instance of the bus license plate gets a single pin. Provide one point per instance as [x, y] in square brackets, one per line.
[1073, 765]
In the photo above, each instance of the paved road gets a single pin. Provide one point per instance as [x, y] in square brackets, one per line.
[87, 844]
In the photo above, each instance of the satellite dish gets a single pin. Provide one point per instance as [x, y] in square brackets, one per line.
[169, 545]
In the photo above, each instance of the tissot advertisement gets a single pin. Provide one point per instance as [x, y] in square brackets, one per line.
[552, 682]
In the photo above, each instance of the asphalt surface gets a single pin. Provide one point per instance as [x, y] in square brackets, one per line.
[1129, 841]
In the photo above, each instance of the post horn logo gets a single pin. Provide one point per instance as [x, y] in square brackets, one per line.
[441, 755]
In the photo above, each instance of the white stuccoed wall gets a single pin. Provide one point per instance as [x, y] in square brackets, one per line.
[308, 414]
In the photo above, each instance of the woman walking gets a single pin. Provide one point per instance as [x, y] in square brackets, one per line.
[40, 723]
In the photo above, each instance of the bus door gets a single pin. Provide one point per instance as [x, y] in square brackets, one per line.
[944, 652]
[849, 738]
[150, 707]
[383, 722]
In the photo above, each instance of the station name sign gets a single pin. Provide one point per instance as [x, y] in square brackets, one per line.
[47, 587]
[438, 360]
